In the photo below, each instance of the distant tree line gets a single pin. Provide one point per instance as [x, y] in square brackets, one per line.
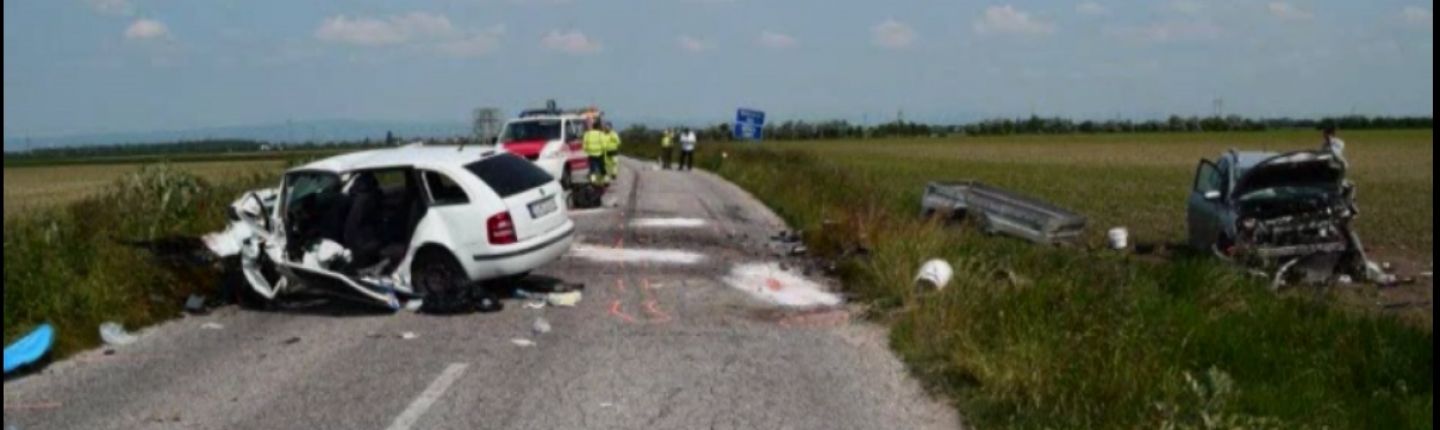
[1035, 125]
[210, 146]
[788, 130]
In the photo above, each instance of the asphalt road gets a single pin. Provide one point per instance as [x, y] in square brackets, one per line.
[657, 343]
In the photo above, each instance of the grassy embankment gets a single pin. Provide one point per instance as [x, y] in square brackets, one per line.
[35, 188]
[1032, 337]
[66, 264]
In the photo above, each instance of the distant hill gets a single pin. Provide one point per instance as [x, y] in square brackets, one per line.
[300, 131]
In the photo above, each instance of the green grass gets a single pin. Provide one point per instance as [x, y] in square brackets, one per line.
[67, 265]
[1033, 337]
[279, 156]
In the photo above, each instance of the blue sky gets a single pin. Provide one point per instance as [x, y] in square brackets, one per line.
[89, 66]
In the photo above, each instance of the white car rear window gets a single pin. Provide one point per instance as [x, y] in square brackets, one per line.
[509, 175]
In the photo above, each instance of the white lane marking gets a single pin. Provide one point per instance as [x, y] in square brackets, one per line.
[668, 223]
[427, 399]
[768, 282]
[601, 254]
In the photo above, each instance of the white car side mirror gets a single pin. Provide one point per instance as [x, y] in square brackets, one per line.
[1212, 195]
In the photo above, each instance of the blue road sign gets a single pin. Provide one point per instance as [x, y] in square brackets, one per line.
[749, 124]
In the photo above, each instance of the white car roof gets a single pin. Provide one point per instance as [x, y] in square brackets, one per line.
[547, 118]
[418, 156]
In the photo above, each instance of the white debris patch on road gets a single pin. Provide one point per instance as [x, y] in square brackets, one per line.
[768, 282]
[601, 254]
[668, 223]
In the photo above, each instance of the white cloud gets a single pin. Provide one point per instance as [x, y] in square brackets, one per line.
[571, 42]
[774, 40]
[475, 45]
[1008, 20]
[112, 7]
[1091, 8]
[1175, 31]
[146, 29]
[893, 34]
[692, 45]
[1419, 17]
[386, 31]
[1289, 12]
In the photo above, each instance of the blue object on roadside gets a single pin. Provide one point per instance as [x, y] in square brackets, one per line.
[29, 349]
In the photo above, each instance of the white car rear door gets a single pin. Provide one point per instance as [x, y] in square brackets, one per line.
[535, 200]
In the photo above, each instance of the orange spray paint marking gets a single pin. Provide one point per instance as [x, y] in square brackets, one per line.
[617, 313]
[653, 309]
[651, 306]
[774, 285]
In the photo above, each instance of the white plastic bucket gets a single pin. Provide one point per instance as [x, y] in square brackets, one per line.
[1119, 238]
[935, 273]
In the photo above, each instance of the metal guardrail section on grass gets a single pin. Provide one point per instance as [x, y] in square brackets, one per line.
[1003, 212]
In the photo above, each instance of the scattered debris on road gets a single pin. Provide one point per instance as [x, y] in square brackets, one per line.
[556, 294]
[409, 335]
[212, 326]
[541, 326]
[668, 223]
[788, 237]
[29, 349]
[195, 305]
[462, 301]
[523, 343]
[414, 306]
[292, 341]
[114, 334]
[601, 254]
[998, 211]
[935, 274]
[767, 282]
[1427, 275]
[564, 300]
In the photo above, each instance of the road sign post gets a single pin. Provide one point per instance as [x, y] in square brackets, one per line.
[749, 125]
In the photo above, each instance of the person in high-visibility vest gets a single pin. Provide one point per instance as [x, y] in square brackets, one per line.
[667, 148]
[612, 150]
[595, 142]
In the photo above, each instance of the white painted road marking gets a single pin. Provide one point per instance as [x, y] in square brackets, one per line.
[668, 223]
[601, 254]
[427, 399]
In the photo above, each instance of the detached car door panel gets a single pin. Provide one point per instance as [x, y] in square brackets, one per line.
[1203, 207]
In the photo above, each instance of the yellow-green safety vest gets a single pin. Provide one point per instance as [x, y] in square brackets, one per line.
[612, 141]
[595, 143]
[667, 140]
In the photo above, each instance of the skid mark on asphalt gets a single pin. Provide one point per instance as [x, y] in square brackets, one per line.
[427, 399]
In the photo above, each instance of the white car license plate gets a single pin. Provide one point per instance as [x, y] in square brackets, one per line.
[543, 207]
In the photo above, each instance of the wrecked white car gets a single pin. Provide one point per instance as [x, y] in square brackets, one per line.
[407, 222]
[1289, 215]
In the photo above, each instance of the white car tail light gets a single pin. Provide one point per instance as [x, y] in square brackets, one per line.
[501, 229]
